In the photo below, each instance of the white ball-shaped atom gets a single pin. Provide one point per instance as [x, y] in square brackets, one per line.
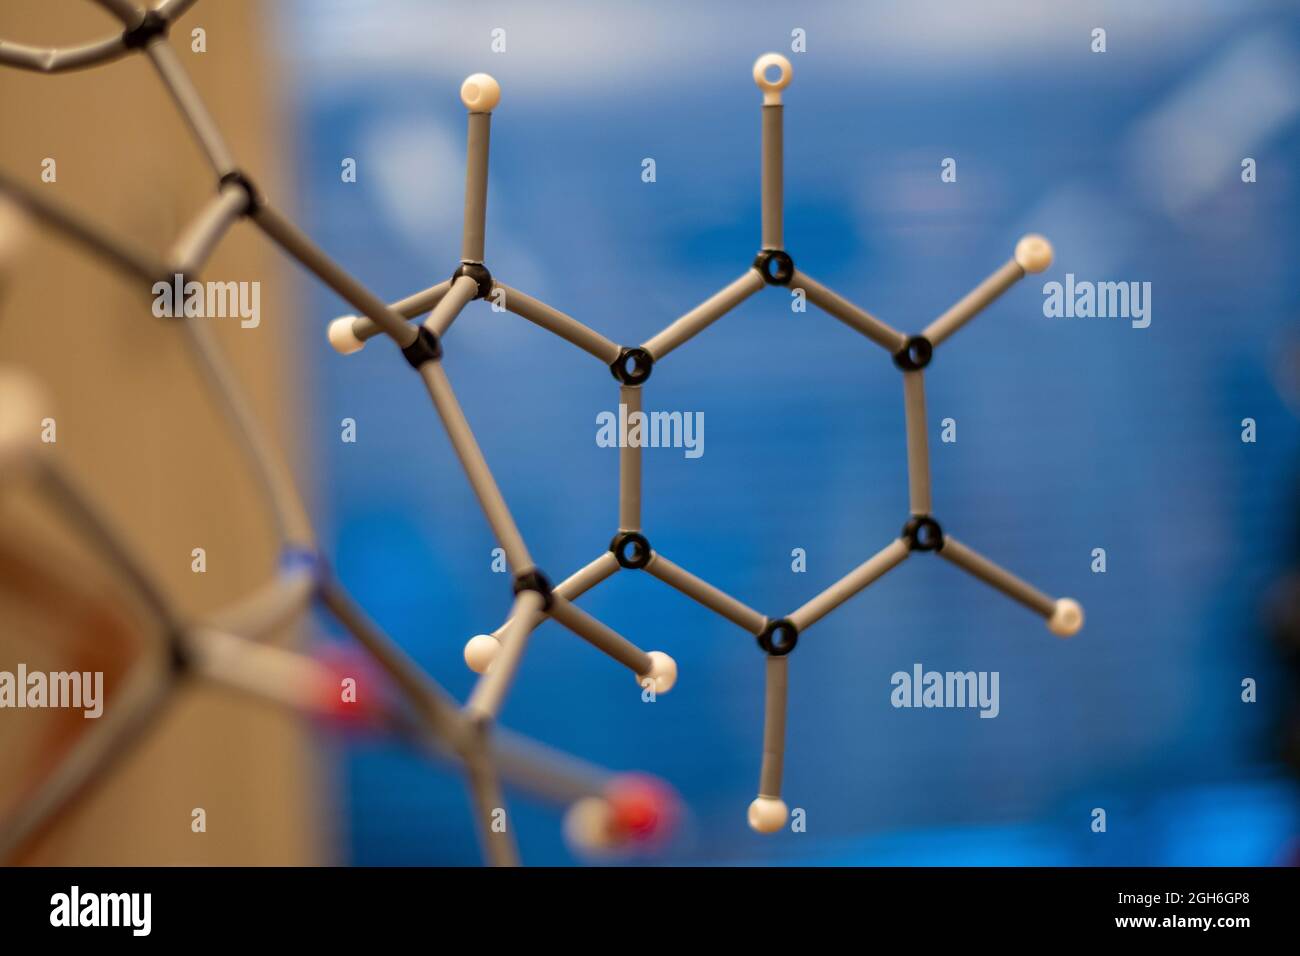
[342, 338]
[772, 88]
[1066, 619]
[1034, 253]
[663, 671]
[14, 228]
[480, 651]
[768, 814]
[587, 824]
[480, 93]
[23, 403]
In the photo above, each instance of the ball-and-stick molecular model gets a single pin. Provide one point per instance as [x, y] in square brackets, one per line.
[497, 656]
[612, 812]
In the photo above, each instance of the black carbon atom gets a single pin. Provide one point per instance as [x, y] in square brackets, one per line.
[479, 273]
[534, 580]
[151, 25]
[631, 549]
[776, 266]
[425, 348]
[922, 533]
[779, 637]
[239, 178]
[633, 365]
[915, 355]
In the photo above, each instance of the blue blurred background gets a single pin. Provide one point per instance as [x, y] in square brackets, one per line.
[1073, 434]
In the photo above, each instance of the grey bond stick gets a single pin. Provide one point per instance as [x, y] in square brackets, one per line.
[705, 314]
[918, 449]
[773, 162]
[476, 176]
[191, 107]
[974, 302]
[191, 250]
[988, 572]
[490, 690]
[475, 466]
[470, 734]
[769, 800]
[704, 593]
[851, 315]
[306, 252]
[629, 467]
[772, 175]
[602, 637]
[869, 571]
[553, 320]
[462, 293]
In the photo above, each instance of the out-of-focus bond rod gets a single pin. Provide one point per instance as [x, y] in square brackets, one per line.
[773, 142]
[188, 101]
[711, 597]
[462, 293]
[124, 10]
[171, 10]
[629, 464]
[544, 771]
[918, 447]
[476, 467]
[553, 320]
[1033, 254]
[705, 314]
[485, 700]
[892, 555]
[192, 248]
[296, 243]
[134, 712]
[97, 240]
[264, 672]
[292, 525]
[270, 608]
[105, 539]
[436, 706]
[480, 93]
[62, 59]
[498, 842]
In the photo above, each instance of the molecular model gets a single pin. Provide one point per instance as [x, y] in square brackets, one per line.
[605, 810]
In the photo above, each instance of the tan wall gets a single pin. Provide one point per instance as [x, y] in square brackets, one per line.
[134, 422]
